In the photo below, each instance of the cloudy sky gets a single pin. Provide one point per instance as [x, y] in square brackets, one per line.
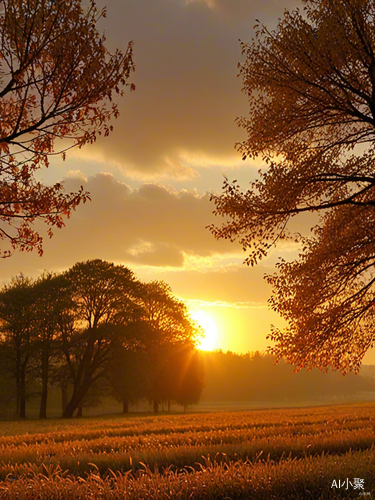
[151, 179]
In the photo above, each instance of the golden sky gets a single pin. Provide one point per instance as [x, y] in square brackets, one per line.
[151, 179]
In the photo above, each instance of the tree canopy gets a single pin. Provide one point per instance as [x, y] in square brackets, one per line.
[170, 347]
[56, 82]
[311, 88]
[103, 297]
[96, 330]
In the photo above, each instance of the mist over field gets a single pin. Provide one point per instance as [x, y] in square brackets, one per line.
[231, 381]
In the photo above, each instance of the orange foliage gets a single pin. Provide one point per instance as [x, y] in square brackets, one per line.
[311, 88]
[56, 81]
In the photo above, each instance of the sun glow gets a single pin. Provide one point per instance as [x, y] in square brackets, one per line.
[208, 325]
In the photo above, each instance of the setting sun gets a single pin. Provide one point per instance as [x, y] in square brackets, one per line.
[208, 340]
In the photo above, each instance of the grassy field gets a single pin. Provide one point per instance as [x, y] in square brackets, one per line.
[270, 454]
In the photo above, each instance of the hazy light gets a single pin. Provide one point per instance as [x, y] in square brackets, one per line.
[208, 341]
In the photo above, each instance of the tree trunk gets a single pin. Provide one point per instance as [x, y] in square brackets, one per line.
[18, 397]
[156, 406]
[64, 395]
[75, 400]
[80, 410]
[125, 405]
[43, 405]
[18, 384]
[169, 405]
[45, 373]
[69, 409]
[23, 392]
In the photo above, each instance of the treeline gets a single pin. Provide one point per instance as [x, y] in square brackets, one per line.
[256, 377]
[95, 330]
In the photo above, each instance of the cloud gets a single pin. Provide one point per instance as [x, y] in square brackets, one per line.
[169, 221]
[160, 255]
[243, 284]
[196, 303]
[237, 9]
[188, 94]
[238, 284]
[151, 225]
[158, 232]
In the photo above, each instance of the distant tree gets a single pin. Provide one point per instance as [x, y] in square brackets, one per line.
[8, 389]
[189, 376]
[129, 375]
[172, 326]
[104, 303]
[56, 82]
[255, 377]
[52, 303]
[17, 313]
[165, 313]
[311, 88]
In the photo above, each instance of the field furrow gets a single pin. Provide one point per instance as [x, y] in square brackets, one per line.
[252, 454]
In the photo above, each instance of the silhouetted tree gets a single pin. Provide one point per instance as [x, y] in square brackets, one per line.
[171, 324]
[52, 303]
[17, 313]
[103, 295]
[189, 376]
[129, 375]
[95, 330]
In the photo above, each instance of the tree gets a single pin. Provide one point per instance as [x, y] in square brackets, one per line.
[129, 375]
[311, 88]
[103, 297]
[165, 313]
[93, 397]
[52, 303]
[172, 327]
[17, 312]
[56, 82]
[8, 389]
[189, 376]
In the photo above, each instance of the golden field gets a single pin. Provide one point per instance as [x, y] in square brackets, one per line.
[262, 454]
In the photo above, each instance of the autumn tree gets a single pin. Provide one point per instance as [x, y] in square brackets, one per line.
[56, 82]
[311, 88]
